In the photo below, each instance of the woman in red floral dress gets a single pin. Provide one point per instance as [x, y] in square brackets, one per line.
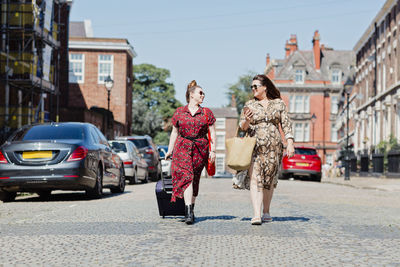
[189, 145]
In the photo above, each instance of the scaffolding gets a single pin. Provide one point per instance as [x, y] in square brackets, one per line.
[29, 62]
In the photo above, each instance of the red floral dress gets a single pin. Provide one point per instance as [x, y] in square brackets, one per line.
[191, 149]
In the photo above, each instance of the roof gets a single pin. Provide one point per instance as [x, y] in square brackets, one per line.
[80, 29]
[344, 60]
[226, 112]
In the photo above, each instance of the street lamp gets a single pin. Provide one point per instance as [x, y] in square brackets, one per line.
[108, 83]
[347, 158]
[313, 119]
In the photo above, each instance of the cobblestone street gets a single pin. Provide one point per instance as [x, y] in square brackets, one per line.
[313, 224]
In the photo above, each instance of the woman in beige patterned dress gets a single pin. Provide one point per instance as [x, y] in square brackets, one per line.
[261, 118]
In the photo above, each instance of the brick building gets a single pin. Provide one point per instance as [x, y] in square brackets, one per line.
[33, 52]
[376, 94]
[91, 61]
[225, 127]
[311, 83]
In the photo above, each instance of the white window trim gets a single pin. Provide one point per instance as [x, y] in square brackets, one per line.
[222, 121]
[305, 105]
[339, 76]
[302, 75]
[220, 146]
[303, 138]
[98, 67]
[75, 61]
[222, 156]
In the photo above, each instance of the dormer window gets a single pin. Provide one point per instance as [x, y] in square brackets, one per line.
[299, 78]
[336, 75]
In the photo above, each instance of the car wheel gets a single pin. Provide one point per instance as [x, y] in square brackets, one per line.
[97, 191]
[121, 185]
[317, 178]
[146, 178]
[133, 179]
[8, 196]
[44, 194]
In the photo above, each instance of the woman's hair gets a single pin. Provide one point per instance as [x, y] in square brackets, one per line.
[272, 91]
[190, 89]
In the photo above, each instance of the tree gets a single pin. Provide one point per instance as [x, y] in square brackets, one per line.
[154, 101]
[241, 90]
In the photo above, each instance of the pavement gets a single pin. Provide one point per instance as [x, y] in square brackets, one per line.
[384, 184]
[314, 224]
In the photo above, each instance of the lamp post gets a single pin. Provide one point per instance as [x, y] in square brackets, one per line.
[313, 119]
[347, 158]
[108, 83]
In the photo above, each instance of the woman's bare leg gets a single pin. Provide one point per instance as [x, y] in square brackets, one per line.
[256, 194]
[188, 195]
[267, 199]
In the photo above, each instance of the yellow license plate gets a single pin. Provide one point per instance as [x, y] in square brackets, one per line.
[37, 154]
[302, 164]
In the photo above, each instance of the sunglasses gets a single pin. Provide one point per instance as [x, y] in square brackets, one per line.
[202, 93]
[255, 86]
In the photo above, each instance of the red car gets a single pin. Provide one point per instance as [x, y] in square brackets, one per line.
[304, 163]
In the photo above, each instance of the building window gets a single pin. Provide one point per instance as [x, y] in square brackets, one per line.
[299, 104]
[76, 68]
[336, 76]
[302, 132]
[334, 104]
[220, 123]
[220, 140]
[334, 133]
[106, 65]
[220, 163]
[299, 78]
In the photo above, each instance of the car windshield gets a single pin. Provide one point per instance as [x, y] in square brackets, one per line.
[305, 151]
[50, 132]
[140, 143]
[118, 147]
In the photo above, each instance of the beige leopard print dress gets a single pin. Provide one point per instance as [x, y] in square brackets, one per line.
[268, 151]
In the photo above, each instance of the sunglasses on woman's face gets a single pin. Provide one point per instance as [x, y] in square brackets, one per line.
[255, 86]
[202, 93]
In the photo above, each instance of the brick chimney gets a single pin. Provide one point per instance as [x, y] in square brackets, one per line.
[269, 69]
[233, 101]
[316, 51]
[291, 45]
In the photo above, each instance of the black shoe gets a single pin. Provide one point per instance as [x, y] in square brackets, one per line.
[189, 219]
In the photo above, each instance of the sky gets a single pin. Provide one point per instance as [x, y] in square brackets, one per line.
[216, 41]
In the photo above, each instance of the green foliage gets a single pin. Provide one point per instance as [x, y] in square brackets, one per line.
[154, 100]
[161, 138]
[241, 90]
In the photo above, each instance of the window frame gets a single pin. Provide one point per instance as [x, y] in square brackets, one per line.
[297, 74]
[99, 62]
[71, 71]
[220, 120]
[304, 131]
[219, 156]
[222, 145]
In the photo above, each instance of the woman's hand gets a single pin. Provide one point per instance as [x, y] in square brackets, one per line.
[168, 156]
[290, 148]
[211, 156]
[248, 114]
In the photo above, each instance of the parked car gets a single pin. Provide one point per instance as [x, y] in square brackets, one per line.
[165, 164]
[134, 165]
[59, 156]
[149, 150]
[304, 163]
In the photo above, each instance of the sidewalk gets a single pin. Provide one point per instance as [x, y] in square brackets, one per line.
[384, 184]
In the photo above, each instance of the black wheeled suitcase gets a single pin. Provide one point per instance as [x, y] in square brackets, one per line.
[165, 206]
